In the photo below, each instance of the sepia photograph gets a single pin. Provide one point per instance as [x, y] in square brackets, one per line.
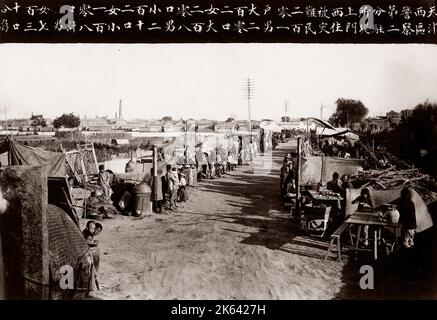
[218, 171]
[227, 171]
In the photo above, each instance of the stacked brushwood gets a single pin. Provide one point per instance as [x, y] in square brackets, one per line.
[396, 174]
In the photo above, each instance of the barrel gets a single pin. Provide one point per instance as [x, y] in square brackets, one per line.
[141, 199]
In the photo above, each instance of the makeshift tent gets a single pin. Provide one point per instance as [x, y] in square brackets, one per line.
[327, 132]
[321, 168]
[25, 155]
[67, 246]
[322, 123]
[380, 197]
[348, 134]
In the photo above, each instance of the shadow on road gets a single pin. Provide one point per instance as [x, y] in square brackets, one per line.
[261, 208]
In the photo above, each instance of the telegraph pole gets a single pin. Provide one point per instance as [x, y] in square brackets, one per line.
[6, 121]
[286, 110]
[249, 88]
[321, 111]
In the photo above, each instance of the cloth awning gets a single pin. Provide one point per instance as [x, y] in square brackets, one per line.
[25, 155]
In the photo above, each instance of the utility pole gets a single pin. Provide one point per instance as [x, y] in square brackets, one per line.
[249, 88]
[286, 110]
[155, 175]
[299, 166]
[322, 106]
[321, 111]
[6, 121]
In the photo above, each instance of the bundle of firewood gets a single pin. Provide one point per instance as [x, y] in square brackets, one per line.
[394, 178]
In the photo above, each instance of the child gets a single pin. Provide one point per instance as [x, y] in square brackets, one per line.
[229, 161]
[70, 184]
[193, 175]
[182, 189]
[364, 199]
[99, 229]
[365, 202]
[173, 177]
[88, 233]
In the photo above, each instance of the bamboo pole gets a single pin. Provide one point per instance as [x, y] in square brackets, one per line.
[298, 177]
[155, 174]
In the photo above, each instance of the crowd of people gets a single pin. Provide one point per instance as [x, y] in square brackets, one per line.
[112, 194]
[365, 202]
[342, 148]
[209, 168]
[337, 211]
[173, 186]
[287, 181]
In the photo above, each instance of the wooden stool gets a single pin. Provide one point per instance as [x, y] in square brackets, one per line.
[336, 241]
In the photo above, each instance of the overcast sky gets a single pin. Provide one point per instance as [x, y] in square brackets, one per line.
[207, 80]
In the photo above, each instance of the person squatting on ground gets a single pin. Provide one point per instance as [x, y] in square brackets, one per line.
[104, 181]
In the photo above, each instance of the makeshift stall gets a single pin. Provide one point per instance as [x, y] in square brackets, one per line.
[317, 169]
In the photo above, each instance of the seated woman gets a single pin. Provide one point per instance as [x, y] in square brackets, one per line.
[365, 202]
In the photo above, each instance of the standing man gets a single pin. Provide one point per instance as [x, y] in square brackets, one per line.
[172, 184]
[407, 213]
[104, 181]
[158, 197]
[335, 184]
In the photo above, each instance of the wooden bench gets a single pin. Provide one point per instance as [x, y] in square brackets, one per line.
[289, 200]
[315, 213]
[336, 241]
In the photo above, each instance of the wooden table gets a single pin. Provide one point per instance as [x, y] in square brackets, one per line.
[322, 196]
[371, 219]
[325, 197]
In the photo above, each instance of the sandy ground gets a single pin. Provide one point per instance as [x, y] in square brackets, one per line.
[232, 240]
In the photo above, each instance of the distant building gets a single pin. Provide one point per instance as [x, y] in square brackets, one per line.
[225, 126]
[152, 126]
[190, 125]
[102, 127]
[378, 123]
[292, 124]
[205, 125]
[173, 127]
[94, 122]
[407, 113]
[393, 117]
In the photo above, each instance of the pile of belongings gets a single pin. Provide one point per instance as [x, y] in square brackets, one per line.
[99, 206]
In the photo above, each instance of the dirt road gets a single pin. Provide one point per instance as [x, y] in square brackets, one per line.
[232, 240]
